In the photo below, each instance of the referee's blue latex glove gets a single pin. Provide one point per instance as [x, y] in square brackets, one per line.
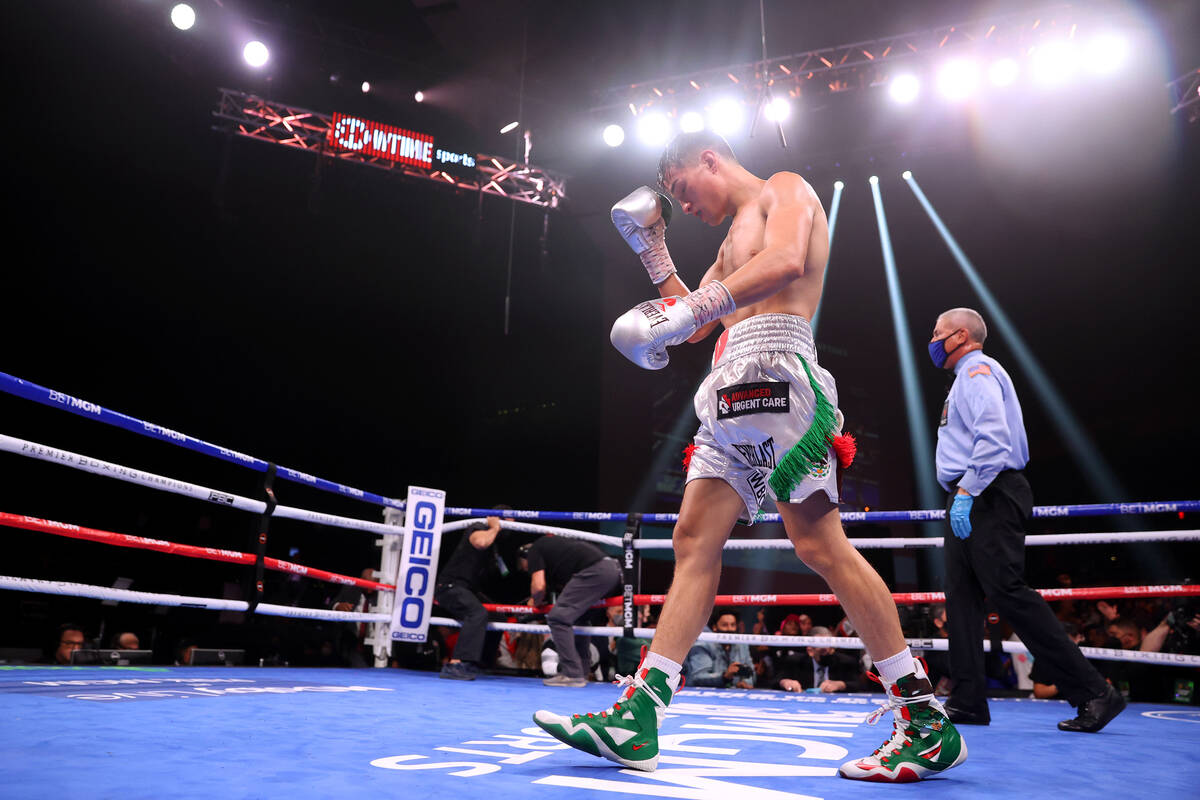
[960, 515]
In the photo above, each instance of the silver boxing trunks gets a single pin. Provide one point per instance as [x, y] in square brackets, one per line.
[767, 414]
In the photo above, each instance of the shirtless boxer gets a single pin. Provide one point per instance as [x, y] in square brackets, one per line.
[768, 417]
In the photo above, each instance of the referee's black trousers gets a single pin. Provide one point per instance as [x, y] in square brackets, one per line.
[991, 563]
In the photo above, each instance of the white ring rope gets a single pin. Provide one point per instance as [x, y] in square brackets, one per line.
[860, 543]
[181, 601]
[901, 543]
[219, 604]
[141, 477]
[149, 479]
[529, 528]
[848, 643]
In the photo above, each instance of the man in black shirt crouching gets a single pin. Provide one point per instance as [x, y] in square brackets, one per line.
[582, 574]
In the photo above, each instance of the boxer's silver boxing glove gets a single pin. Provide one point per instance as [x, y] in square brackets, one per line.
[644, 332]
[641, 217]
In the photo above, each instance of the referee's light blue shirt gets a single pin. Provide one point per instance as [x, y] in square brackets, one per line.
[982, 430]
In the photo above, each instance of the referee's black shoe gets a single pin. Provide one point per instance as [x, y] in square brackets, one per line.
[1095, 713]
[961, 716]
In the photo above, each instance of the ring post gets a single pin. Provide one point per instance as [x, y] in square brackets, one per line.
[254, 594]
[631, 570]
[389, 567]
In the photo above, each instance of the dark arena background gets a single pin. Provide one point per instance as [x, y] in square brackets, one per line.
[373, 251]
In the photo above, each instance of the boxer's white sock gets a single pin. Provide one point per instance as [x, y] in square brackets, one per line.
[663, 664]
[893, 668]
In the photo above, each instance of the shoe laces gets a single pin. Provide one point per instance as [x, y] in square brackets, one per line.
[638, 682]
[621, 680]
[902, 725]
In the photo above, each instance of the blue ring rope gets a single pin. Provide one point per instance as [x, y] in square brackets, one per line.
[84, 408]
[853, 517]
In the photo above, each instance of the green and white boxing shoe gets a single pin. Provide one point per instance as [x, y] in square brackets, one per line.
[923, 740]
[626, 733]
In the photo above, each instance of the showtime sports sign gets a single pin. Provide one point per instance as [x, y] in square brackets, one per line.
[398, 145]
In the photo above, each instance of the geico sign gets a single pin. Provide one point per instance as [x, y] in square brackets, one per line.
[415, 580]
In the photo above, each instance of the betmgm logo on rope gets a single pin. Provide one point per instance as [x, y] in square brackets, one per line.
[418, 564]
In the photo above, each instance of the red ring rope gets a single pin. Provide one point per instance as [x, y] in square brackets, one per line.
[901, 598]
[210, 553]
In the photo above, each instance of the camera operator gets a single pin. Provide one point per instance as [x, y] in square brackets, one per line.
[717, 664]
[1179, 631]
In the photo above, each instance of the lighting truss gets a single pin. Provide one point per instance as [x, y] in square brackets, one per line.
[848, 67]
[277, 123]
[1185, 94]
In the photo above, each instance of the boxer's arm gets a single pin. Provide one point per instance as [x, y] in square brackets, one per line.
[789, 207]
[675, 287]
[713, 274]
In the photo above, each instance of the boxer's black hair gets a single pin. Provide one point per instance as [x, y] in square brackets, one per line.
[684, 149]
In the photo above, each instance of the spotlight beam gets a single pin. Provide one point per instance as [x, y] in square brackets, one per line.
[1090, 461]
[834, 204]
[929, 493]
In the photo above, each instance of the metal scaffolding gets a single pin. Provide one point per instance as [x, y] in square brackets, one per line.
[847, 67]
[1185, 94]
[269, 121]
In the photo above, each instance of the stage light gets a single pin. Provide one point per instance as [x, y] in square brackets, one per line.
[510, 126]
[836, 203]
[904, 87]
[919, 432]
[255, 53]
[654, 128]
[419, 97]
[957, 79]
[691, 121]
[1053, 63]
[1003, 72]
[366, 86]
[1106, 53]
[777, 110]
[725, 116]
[614, 135]
[874, 179]
[907, 175]
[1089, 458]
[183, 17]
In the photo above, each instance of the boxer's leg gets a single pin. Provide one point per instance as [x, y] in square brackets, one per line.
[708, 513]
[627, 732]
[923, 740]
[815, 529]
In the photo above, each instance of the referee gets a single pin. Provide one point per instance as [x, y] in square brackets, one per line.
[981, 452]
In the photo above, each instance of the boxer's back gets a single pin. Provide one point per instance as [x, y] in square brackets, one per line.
[745, 240]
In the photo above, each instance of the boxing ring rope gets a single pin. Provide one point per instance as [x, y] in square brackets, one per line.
[900, 598]
[851, 517]
[630, 543]
[181, 601]
[108, 469]
[820, 599]
[55, 399]
[158, 545]
[844, 642]
[861, 543]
